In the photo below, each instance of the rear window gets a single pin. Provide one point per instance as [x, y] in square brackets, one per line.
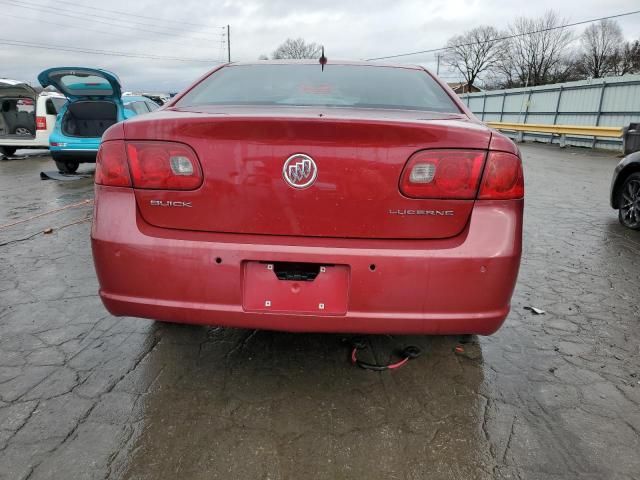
[356, 86]
[77, 82]
[137, 107]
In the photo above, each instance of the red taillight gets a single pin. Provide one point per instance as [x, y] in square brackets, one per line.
[164, 166]
[450, 174]
[153, 165]
[503, 177]
[111, 165]
[41, 123]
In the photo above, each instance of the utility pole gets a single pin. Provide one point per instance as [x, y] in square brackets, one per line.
[438, 67]
[229, 43]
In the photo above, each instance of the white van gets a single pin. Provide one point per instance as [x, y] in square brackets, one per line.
[26, 117]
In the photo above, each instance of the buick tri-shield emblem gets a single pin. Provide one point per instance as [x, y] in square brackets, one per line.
[300, 171]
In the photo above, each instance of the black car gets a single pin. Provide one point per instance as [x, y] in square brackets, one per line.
[625, 191]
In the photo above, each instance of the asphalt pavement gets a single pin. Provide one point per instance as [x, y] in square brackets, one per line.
[84, 395]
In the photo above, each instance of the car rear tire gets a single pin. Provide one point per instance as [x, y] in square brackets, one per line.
[629, 201]
[8, 151]
[67, 166]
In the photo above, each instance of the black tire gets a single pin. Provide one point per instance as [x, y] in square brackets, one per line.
[23, 131]
[67, 166]
[629, 202]
[8, 151]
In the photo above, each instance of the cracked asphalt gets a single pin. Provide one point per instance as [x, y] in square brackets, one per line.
[84, 395]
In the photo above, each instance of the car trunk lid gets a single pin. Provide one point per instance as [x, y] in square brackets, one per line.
[17, 110]
[359, 156]
[16, 89]
[82, 83]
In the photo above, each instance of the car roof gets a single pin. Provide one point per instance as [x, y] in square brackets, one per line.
[315, 61]
[8, 81]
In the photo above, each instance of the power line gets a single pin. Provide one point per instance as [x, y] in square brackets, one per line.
[431, 50]
[81, 16]
[96, 15]
[120, 12]
[94, 30]
[19, 43]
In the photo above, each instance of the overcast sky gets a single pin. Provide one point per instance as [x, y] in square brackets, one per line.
[186, 29]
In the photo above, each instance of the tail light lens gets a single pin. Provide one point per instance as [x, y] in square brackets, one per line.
[41, 123]
[443, 174]
[163, 166]
[503, 177]
[148, 165]
[111, 165]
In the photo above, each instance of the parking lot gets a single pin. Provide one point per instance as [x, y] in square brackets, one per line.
[554, 396]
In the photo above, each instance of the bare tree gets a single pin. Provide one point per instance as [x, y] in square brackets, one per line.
[297, 48]
[626, 59]
[600, 43]
[536, 55]
[473, 53]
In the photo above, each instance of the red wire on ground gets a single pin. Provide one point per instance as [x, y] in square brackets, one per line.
[398, 364]
[47, 231]
[87, 201]
[410, 352]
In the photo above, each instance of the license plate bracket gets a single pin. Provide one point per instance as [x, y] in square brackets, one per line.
[326, 294]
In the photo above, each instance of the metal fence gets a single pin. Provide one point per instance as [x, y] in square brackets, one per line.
[611, 102]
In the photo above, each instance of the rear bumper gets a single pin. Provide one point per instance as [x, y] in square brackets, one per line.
[458, 285]
[80, 156]
[41, 140]
[78, 149]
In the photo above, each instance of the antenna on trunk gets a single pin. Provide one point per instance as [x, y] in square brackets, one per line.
[323, 59]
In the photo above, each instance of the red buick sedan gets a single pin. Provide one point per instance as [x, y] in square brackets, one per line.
[348, 197]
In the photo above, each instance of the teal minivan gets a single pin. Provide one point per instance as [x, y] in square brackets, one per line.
[94, 103]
